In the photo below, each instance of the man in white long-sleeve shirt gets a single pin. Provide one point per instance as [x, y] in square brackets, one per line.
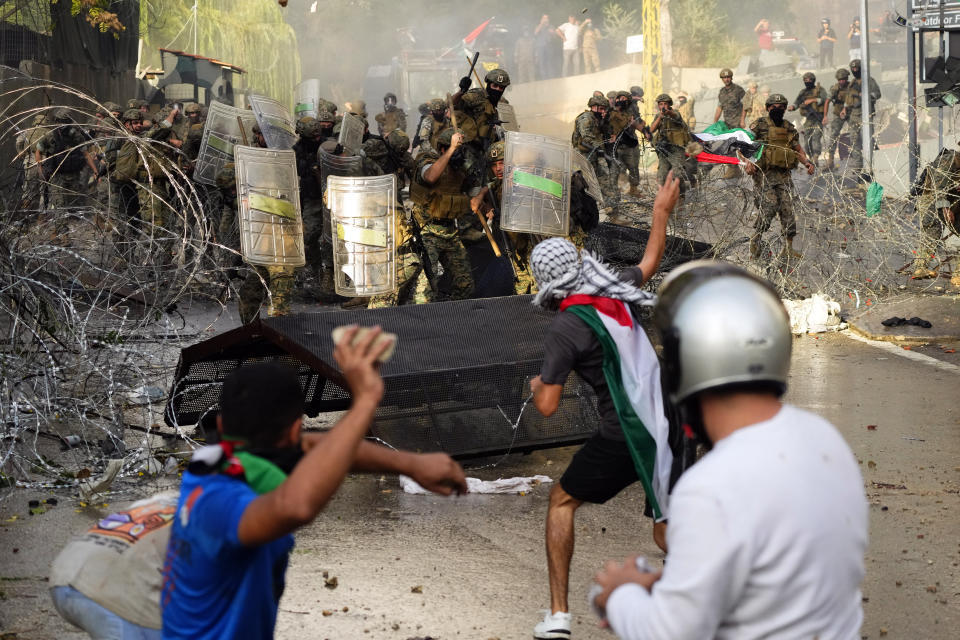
[768, 531]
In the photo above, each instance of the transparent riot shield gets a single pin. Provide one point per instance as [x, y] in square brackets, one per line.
[306, 98]
[536, 184]
[275, 122]
[331, 165]
[220, 133]
[268, 192]
[364, 216]
[581, 164]
[351, 133]
[508, 117]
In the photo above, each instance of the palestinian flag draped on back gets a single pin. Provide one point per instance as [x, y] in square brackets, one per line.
[721, 144]
[632, 373]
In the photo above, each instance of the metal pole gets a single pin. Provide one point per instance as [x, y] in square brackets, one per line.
[866, 108]
[911, 98]
[940, 109]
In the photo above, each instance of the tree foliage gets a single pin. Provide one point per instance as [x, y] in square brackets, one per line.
[620, 23]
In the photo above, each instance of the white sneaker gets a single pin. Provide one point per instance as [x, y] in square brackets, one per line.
[554, 625]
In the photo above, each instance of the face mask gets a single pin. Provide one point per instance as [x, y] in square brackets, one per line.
[809, 85]
[777, 115]
[437, 115]
[622, 104]
[494, 96]
[856, 74]
[326, 132]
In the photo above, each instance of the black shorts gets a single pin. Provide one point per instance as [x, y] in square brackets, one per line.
[601, 469]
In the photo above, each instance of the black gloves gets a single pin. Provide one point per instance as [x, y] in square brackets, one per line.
[464, 84]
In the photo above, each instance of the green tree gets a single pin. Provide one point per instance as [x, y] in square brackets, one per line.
[619, 23]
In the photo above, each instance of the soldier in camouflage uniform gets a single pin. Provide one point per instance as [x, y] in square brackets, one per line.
[772, 182]
[153, 176]
[671, 139]
[311, 193]
[938, 206]
[193, 131]
[856, 109]
[754, 104]
[432, 125]
[139, 104]
[626, 148]
[685, 108]
[393, 117]
[730, 102]
[481, 105]
[590, 133]
[439, 193]
[810, 103]
[26, 145]
[840, 97]
[62, 153]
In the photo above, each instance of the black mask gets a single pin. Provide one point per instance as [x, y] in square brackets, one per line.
[598, 115]
[809, 85]
[494, 96]
[622, 104]
[856, 73]
[326, 132]
[437, 115]
[284, 457]
[777, 115]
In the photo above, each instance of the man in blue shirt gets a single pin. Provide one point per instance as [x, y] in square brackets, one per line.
[241, 500]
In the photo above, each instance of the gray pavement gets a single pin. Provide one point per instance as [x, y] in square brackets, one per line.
[479, 559]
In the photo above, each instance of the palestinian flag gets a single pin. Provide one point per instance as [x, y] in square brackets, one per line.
[721, 144]
[632, 373]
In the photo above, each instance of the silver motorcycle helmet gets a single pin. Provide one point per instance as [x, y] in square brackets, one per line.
[721, 325]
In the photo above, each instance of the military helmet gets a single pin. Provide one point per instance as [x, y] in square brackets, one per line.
[437, 104]
[726, 73]
[496, 151]
[664, 97]
[776, 98]
[636, 91]
[612, 95]
[624, 94]
[325, 115]
[398, 140]
[312, 129]
[809, 77]
[62, 115]
[598, 101]
[842, 74]
[390, 95]
[131, 115]
[854, 64]
[446, 136]
[136, 103]
[191, 107]
[497, 76]
[326, 105]
[752, 344]
[375, 149]
[424, 109]
[39, 119]
[226, 177]
[111, 107]
[300, 125]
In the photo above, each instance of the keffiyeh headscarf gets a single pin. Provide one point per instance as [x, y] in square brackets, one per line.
[561, 271]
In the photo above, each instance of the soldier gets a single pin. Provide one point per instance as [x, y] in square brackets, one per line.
[938, 205]
[754, 104]
[839, 97]
[439, 189]
[26, 144]
[424, 111]
[685, 108]
[123, 168]
[311, 193]
[481, 104]
[62, 154]
[153, 176]
[139, 104]
[810, 103]
[588, 46]
[772, 182]
[672, 137]
[589, 136]
[431, 126]
[730, 102]
[856, 108]
[636, 97]
[326, 121]
[626, 147]
[392, 117]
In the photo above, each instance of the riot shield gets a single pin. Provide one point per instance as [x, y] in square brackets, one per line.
[306, 98]
[220, 133]
[581, 164]
[536, 184]
[363, 215]
[275, 122]
[268, 191]
[351, 133]
[331, 165]
[508, 117]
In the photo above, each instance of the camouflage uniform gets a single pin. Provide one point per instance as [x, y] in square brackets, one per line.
[686, 112]
[430, 127]
[63, 167]
[812, 125]
[671, 140]
[731, 104]
[33, 182]
[153, 184]
[753, 104]
[940, 191]
[589, 133]
[840, 98]
[772, 183]
[391, 119]
[627, 145]
[437, 207]
[855, 117]
[311, 195]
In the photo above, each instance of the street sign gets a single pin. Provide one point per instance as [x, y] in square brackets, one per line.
[933, 6]
[931, 21]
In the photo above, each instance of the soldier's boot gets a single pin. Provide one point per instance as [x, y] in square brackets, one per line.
[921, 271]
[755, 247]
[634, 191]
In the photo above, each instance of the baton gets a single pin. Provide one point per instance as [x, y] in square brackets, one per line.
[473, 67]
[243, 132]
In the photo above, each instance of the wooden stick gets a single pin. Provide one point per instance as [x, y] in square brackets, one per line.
[475, 73]
[483, 219]
[243, 132]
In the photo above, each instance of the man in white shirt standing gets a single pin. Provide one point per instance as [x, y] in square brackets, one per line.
[767, 531]
[569, 32]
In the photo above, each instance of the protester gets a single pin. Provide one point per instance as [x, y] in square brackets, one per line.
[241, 500]
[767, 531]
[764, 36]
[547, 41]
[827, 37]
[853, 36]
[569, 33]
[581, 339]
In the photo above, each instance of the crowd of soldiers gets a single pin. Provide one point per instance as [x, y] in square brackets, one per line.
[453, 169]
